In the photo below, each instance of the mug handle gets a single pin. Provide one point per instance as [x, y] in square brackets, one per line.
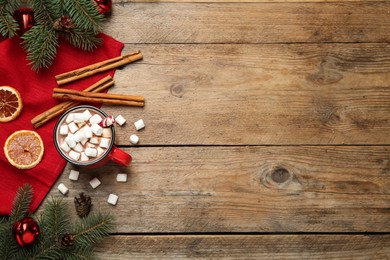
[119, 156]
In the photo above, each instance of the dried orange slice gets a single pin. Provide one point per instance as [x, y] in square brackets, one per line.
[24, 149]
[10, 104]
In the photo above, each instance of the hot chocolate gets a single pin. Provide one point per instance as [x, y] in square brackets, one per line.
[82, 137]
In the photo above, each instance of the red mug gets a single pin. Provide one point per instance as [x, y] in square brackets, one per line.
[66, 130]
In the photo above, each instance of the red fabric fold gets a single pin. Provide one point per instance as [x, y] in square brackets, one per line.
[36, 91]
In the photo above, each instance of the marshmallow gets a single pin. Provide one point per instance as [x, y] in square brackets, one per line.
[94, 183]
[100, 151]
[78, 148]
[120, 120]
[90, 152]
[104, 142]
[97, 129]
[112, 199]
[69, 118]
[84, 141]
[87, 131]
[95, 119]
[70, 141]
[74, 175]
[84, 157]
[139, 124]
[65, 147]
[94, 140]
[121, 177]
[64, 130]
[108, 121]
[78, 117]
[63, 189]
[87, 115]
[74, 155]
[78, 136]
[107, 132]
[73, 127]
[134, 139]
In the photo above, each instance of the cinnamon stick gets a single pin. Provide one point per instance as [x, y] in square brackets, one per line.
[97, 68]
[53, 112]
[102, 100]
[97, 95]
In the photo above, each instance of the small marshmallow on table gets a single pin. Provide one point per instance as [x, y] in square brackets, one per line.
[74, 175]
[139, 124]
[134, 139]
[120, 120]
[63, 189]
[121, 177]
[112, 199]
[94, 183]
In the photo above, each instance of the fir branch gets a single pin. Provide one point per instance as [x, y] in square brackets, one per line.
[55, 221]
[85, 14]
[83, 39]
[21, 203]
[46, 11]
[40, 43]
[91, 229]
[8, 25]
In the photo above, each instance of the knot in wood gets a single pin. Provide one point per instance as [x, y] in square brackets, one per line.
[280, 175]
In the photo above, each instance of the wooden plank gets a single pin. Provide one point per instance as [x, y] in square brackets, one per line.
[246, 247]
[245, 189]
[244, 94]
[250, 22]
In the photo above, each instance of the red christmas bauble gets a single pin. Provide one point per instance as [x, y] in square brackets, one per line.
[26, 232]
[104, 6]
[25, 18]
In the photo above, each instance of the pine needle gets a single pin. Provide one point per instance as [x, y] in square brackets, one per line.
[8, 25]
[21, 203]
[84, 14]
[82, 39]
[40, 43]
[91, 229]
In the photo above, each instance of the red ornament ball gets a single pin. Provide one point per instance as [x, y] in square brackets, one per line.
[26, 232]
[104, 6]
[25, 18]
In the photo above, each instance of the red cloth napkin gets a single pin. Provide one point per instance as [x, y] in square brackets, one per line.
[36, 91]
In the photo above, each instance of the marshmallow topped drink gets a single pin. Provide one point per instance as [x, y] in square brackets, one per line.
[82, 136]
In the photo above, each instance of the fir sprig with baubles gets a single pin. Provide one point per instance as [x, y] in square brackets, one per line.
[51, 235]
[41, 24]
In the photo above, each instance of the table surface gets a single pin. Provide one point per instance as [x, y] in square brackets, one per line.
[267, 131]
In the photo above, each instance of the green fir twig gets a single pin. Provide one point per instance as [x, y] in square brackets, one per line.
[54, 223]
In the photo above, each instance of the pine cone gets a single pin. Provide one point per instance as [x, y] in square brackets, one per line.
[64, 23]
[68, 240]
[83, 205]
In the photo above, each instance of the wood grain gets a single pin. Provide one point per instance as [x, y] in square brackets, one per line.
[246, 247]
[162, 22]
[245, 189]
[244, 94]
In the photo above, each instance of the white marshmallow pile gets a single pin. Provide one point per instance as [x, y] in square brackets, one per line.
[83, 139]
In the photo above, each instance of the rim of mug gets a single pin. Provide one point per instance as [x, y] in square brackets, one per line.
[63, 155]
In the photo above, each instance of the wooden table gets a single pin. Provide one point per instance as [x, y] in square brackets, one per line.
[267, 131]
